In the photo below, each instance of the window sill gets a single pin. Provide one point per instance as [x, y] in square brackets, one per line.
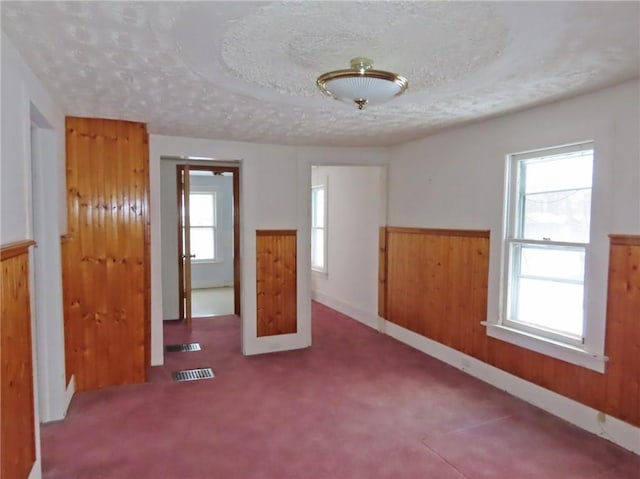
[548, 347]
[319, 272]
[206, 261]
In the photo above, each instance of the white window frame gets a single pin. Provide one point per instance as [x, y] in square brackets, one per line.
[587, 351]
[324, 228]
[200, 190]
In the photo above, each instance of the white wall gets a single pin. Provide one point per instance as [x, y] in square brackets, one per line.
[169, 213]
[274, 194]
[354, 215]
[455, 179]
[220, 272]
[22, 94]
[203, 275]
[25, 102]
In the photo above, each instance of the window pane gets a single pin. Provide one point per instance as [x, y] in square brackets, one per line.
[202, 244]
[201, 209]
[317, 248]
[550, 305]
[562, 216]
[551, 263]
[552, 201]
[561, 172]
[317, 207]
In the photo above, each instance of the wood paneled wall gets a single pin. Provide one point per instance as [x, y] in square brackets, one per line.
[382, 272]
[276, 278]
[106, 278]
[623, 329]
[17, 431]
[436, 286]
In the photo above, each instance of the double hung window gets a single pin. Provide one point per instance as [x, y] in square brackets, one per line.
[202, 215]
[318, 229]
[546, 242]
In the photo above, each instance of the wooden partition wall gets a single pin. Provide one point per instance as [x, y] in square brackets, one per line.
[106, 278]
[17, 431]
[276, 258]
[435, 284]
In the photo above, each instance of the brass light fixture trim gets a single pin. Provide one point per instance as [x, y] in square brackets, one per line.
[361, 84]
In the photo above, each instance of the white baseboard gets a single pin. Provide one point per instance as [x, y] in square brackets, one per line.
[274, 344]
[208, 285]
[592, 420]
[354, 312]
[36, 470]
[70, 391]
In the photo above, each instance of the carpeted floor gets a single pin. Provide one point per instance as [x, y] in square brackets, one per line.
[356, 405]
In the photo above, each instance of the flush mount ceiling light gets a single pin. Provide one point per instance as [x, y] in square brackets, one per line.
[361, 84]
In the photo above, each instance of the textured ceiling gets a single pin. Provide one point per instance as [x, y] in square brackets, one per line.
[246, 70]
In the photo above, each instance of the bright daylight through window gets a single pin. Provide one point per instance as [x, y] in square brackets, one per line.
[202, 214]
[547, 236]
[318, 229]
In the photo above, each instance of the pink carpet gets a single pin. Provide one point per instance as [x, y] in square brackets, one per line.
[356, 405]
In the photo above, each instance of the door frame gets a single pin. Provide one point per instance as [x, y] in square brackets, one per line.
[235, 171]
[54, 388]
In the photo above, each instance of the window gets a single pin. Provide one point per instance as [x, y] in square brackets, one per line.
[547, 237]
[319, 229]
[202, 215]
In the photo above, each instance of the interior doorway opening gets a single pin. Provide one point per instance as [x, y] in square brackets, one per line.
[206, 241]
[53, 387]
[200, 239]
[348, 208]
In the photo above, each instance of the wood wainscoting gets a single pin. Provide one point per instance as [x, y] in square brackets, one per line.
[436, 285]
[106, 277]
[623, 329]
[276, 279]
[17, 428]
[382, 272]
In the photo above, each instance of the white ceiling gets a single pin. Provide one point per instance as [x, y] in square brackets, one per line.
[246, 70]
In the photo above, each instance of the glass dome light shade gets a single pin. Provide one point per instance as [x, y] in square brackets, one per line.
[362, 85]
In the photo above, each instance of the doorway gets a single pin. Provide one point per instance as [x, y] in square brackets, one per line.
[54, 387]
[208, 241]
[348, 207]
[200, 239]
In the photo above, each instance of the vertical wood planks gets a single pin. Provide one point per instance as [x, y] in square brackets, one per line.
[106, 276]
[436, 285]
[431, 275]
[276, 279]
[146, 213]
[623, 329]
[382, 272]
[17, 433]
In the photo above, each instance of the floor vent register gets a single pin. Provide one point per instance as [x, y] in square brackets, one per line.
[193, 374]
[180, 348]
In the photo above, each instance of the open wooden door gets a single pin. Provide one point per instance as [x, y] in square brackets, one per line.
[184, 244]
[184, 238]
